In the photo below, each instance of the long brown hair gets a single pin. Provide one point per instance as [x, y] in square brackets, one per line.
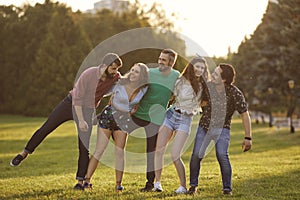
[189, 73]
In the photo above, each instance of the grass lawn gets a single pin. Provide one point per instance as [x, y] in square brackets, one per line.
[271, 170]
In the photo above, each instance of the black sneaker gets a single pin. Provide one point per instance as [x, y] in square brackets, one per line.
[78, 186]
[192, 190]
[227, 192]
[17, 160]
[148, 187]
[87, 185]
[119, 188]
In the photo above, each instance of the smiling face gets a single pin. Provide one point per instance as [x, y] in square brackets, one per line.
[199, 69]
[135, 73]
[164, 62]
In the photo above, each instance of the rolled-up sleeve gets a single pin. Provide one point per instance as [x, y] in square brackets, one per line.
[241, 105]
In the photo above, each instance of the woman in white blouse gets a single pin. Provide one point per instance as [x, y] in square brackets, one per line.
[114, 118]
[188, 90]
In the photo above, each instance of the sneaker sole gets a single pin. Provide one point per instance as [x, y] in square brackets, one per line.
[11, 164]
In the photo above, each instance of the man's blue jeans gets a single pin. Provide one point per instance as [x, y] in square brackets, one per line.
[221, 139]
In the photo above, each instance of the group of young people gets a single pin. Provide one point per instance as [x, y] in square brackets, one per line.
[140, 98]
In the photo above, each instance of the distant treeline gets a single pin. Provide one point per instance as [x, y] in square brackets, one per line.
[43, 46]
[270, 57]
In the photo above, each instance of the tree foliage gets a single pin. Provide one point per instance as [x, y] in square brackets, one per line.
[270, 57]
[43, 46]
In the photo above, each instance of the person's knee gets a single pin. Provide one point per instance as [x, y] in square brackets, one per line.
[177, 162]
[195, 154]
[119, 153]
[151, 146]
[175, 157]
[83, 150]
[97, 155]
[222, 157]
[159, 150]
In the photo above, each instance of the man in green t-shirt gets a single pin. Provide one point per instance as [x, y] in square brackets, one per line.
[151, 111]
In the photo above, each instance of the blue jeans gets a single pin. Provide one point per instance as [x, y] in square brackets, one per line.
[221, 139]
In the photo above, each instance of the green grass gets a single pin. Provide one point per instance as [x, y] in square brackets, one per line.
[271, 170]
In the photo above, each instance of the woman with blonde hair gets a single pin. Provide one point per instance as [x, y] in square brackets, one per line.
[114, 118]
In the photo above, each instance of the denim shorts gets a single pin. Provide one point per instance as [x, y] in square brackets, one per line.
[178, 121]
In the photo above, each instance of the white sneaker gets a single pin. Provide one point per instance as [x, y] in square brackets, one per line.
[181, 190]
[157, 187]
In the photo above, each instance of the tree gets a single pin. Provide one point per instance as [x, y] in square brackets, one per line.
[57, 61]
[44, 45]
[270, 57]
[11, 56]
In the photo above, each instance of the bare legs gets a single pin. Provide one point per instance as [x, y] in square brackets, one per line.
[103, 136]
[179, 141]
[163, 139]
[101, 144]
[120, 142]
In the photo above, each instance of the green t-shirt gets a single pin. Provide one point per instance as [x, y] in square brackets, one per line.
[152, 107]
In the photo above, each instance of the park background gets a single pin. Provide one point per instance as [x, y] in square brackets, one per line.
[42, 47]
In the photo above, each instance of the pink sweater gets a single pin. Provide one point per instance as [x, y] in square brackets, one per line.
[84, 91]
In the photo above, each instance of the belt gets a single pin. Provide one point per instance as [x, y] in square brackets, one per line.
[178, 111]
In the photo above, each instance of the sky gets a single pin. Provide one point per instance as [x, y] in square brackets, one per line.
[214, 25]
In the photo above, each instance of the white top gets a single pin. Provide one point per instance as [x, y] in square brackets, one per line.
[120, 99]
[185, 98]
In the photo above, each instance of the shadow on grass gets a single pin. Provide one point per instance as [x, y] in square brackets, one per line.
[276, 139]
[285, 186]
[56, 155]
[50, 194]
[20, 126]
[272, 186]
